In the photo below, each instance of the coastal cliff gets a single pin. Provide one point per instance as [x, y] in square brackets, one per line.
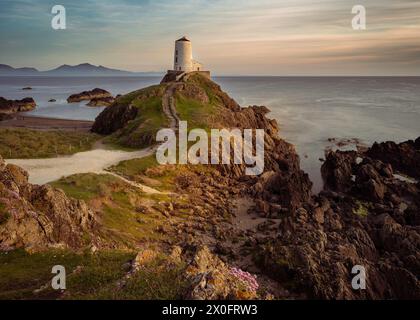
[215, 233]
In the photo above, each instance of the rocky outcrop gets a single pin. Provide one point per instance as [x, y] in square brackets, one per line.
[89, 95]
[337, 170]
[117, 116]
[287, 186]
[101, 102]
[13, 106]
[211, 279]
[367, 217]
[404, 157]
[37, 217]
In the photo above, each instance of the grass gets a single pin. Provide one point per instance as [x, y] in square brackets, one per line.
[23, 143]
[87, 186]
[154, 281]
[118, 201]
[141, 131]
[193, 111]
[97, 276]
[21, 273]
[133, 167]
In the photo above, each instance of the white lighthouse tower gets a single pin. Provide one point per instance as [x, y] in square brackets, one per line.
[183, 58]
[184, 64]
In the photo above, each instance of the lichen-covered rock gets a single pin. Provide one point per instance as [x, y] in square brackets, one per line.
[37, 217]
[212, 279]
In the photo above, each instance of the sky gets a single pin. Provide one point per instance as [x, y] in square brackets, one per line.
[230, 37]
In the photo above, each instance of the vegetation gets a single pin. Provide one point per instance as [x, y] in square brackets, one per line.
[141, 131]
[133, 167]
[87, 186]
[25, 143]
[88, 276]
[21, 273]
[118, 204]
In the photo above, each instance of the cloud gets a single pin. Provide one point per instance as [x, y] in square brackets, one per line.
[229, 35]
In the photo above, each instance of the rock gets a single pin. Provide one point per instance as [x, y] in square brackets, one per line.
[211, 279]
[175, 255]
[52, 100]
[38, 217]
[337, 170]
[318, 244]
[26, 88]
[318, 215]
[89, 95]
[101, 102]
[404, 157]
[144, 257]
[118, 115]
[13, 106]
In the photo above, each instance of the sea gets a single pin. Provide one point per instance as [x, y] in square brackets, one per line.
[311, 111]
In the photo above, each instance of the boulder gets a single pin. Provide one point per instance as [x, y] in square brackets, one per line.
[89, 95]
[404, 157]
[13, 106]
[37, 217]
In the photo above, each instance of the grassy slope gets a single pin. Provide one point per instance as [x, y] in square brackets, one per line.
[121, 220]
[188, 109]
[195, 112]
[141, 131]
[25, 143]
[97, 276]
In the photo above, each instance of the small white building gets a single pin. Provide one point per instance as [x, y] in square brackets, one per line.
[183, 58]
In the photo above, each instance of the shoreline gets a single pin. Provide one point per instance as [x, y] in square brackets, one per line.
[46, 123]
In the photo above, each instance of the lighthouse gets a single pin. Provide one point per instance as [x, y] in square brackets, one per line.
[184, 64]
[183, 57]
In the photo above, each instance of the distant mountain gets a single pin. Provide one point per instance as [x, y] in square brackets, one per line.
[84, 69]
[6, 70]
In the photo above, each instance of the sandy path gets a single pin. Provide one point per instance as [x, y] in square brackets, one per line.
[42, 171]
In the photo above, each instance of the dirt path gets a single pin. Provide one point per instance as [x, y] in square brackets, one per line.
[169, 105]
[42, 171]
[140, 186]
